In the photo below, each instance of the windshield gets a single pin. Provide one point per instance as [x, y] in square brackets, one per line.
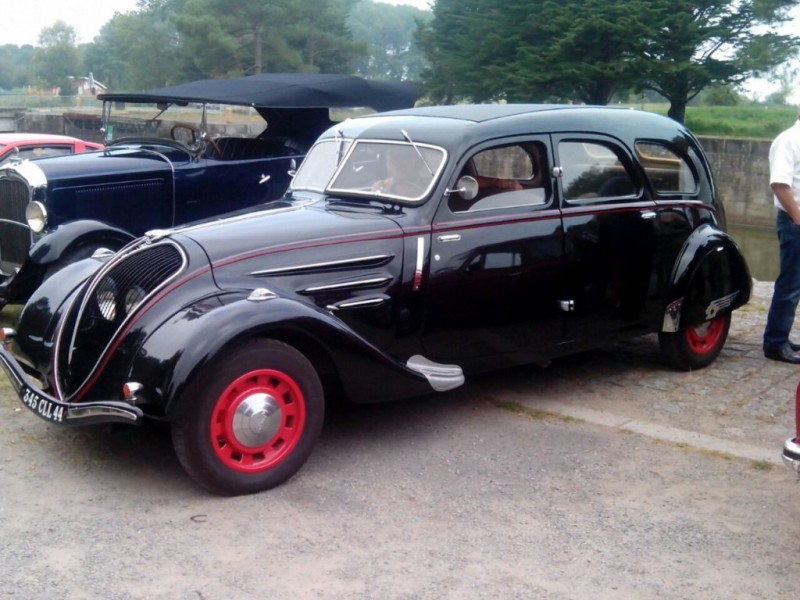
[319, 165]
[394, 170]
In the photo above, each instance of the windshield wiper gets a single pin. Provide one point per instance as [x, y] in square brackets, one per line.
[414, 145]
[339, 147]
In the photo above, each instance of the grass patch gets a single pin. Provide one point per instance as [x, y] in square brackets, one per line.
[533, 413]
[747, 121]
[761, 465]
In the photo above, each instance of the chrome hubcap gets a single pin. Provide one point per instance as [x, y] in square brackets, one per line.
[257, 420]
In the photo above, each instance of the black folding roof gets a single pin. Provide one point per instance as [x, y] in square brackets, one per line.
[283, 90]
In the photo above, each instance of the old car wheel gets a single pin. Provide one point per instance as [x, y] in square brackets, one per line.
[251, 421]
[695, 347]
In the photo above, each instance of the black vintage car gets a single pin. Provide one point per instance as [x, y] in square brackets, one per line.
[412, 249]
[162, 166]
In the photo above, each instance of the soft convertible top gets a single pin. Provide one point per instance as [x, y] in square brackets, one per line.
[283, 90]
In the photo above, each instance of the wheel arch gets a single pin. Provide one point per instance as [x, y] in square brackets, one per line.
[344, 361]
[75, 234]
[710, 277]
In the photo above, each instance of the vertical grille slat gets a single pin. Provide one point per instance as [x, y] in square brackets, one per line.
[112, 297]
[15, 236]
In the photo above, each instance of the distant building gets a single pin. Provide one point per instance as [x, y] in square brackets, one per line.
[87, 86]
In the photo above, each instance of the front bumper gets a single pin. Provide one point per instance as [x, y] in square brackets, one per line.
[791, 455]
[64, 413]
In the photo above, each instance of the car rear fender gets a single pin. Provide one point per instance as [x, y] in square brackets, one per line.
[190, 342]
[69, 236]
[710, 278]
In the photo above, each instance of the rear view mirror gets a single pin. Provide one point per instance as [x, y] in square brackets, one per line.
[467, 187]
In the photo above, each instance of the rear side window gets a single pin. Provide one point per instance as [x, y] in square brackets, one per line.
[665, 168]
[593, 170]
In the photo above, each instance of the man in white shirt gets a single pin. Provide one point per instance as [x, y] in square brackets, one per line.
[784, 180]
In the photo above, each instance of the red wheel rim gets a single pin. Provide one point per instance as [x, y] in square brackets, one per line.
[257, 421]
[704, 338]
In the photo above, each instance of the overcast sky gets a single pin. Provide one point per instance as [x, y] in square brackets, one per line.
[21, 21]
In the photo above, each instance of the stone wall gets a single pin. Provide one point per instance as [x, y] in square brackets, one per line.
[741, 171]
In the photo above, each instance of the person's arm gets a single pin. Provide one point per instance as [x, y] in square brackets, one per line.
[785, 196]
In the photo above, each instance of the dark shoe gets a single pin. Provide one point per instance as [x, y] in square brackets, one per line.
[783, 354]
[794, 347]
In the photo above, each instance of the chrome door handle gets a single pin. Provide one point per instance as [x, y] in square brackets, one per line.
[649, 214]
[454, 237]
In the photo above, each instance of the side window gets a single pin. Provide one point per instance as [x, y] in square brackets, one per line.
[508, 176]
[666, 169]
[43, 151]
[593, 170]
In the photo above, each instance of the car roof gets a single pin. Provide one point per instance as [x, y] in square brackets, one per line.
[283, 90]
[453, 125]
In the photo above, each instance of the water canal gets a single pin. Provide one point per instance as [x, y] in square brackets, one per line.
[760, 248]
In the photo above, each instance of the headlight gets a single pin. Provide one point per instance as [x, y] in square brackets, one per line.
[36, 216]
[133, 298]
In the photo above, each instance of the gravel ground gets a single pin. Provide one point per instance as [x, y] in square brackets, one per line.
[482, 493]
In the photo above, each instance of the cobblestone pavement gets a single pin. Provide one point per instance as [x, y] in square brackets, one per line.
[446, 497]
[744, 401]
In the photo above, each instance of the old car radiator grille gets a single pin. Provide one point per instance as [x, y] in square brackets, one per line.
[109, 301]
[15, 236]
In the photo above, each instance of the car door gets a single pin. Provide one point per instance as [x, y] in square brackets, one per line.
[496, 260]
[610, 238]
[211, 187]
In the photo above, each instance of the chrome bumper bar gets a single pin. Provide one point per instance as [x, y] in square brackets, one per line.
[64, 413]
[791, 455]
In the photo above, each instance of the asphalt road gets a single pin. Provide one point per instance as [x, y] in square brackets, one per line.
[604, 475]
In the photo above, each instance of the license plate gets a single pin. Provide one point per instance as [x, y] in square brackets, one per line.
[47, 409]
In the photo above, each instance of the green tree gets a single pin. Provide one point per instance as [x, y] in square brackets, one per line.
[696, 43]
[56, 58]
[720, 95]
[15, 66]
[521, 51]
[318, 30]
[388, 32]
[242, 37]
[588, 50]
[140, 50]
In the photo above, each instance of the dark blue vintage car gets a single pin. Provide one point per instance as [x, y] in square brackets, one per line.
[413, 248]
[159, 171]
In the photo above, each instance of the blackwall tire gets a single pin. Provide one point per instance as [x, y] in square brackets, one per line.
[251, 421]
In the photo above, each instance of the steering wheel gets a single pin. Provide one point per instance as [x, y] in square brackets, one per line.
[180, 131]
[406, 187]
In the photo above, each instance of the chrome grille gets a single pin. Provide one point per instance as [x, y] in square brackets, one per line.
[112, 297]
[15, 236]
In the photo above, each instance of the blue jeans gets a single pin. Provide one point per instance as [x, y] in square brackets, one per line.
[787, 286]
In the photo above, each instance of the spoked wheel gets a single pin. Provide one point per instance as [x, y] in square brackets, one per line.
[695, 347]
[252, 421]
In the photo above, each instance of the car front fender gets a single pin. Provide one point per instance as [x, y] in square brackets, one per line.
[52, 246]
[710, 278]
[192, 339]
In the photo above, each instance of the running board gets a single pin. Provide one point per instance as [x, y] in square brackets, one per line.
[441, 377]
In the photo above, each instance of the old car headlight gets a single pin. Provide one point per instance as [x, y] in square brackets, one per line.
[36, 216]
[133, 298]
[106, 298]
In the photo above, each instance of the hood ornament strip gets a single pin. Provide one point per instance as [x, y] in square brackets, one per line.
[363, 261]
